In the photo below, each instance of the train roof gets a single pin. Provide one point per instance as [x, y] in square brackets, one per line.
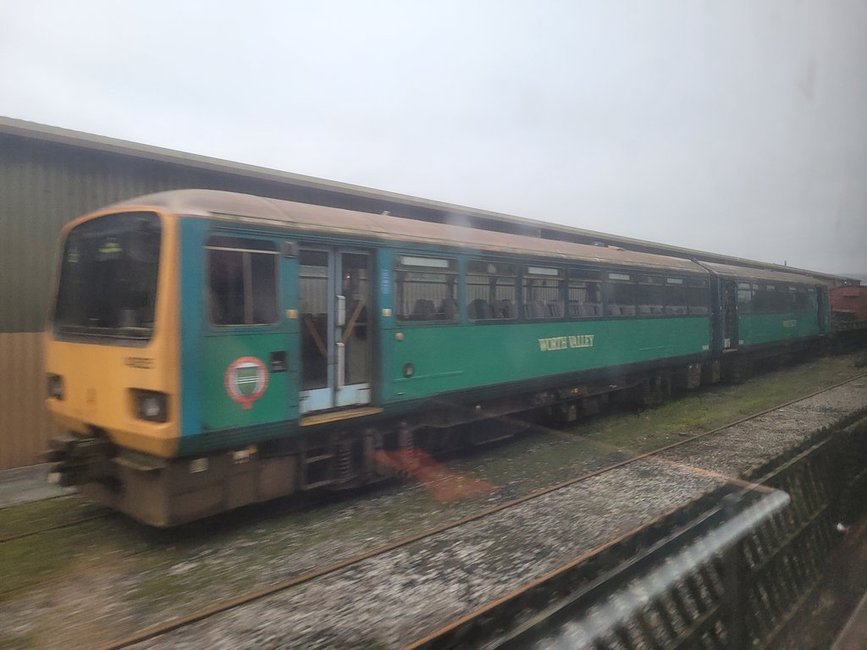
[768, 275]
[305, 217]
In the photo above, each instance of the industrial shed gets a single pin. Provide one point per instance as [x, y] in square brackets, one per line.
[50, 175]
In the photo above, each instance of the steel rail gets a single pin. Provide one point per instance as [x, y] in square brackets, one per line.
[49, 529]
[319, 572]
[436, 638]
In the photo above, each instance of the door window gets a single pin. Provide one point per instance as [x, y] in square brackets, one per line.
[313, 279]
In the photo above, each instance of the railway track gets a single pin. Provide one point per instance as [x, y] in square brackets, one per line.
[15, 536]
[106, 514]
[50, 529]
[694, 585]
[536, 612]
[341, 565]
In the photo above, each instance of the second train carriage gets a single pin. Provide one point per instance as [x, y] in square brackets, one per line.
[763, 313]
[210, 349]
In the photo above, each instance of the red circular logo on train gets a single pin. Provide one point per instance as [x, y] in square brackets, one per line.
[246, 379]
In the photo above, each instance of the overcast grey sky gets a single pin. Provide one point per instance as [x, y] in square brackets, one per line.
[738, 127]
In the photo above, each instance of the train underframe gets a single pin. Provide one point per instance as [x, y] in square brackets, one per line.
[348, 454]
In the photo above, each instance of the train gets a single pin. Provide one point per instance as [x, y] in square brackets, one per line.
[849, 311]
[206, 350]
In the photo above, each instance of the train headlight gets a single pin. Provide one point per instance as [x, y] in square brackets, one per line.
[151, 405]
[55, 386]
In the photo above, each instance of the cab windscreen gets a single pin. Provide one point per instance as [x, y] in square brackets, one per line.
[108, 277]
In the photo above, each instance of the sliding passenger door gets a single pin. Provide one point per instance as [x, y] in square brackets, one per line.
[730, 315]
[822, 308]
[334, 293]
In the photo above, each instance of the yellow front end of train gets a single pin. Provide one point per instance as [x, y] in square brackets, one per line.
[111, 352]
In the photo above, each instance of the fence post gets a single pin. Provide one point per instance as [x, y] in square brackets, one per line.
[734, 586]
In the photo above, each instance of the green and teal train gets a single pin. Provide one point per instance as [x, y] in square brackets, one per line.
[207, 350]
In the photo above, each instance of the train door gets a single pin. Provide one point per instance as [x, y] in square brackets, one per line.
[730, 315]
[334, 293]
[823, 309]
[236, 372]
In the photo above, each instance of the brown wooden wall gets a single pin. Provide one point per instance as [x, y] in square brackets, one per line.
[24, 422]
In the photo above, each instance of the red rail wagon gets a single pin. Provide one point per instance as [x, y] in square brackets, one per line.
[849, 307]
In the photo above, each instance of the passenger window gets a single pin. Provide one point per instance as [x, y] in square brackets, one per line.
[676, 296]
[650, 295]
[491, 291]
[543, 293]
[619, 295]
[242, 281]
[426, 288]
[697, 296]
[760, 298]
[583, 294]
[770, 299]
[745, 297]
[800, 298]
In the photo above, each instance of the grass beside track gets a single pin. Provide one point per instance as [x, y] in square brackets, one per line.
[93, 582]
[716, 405]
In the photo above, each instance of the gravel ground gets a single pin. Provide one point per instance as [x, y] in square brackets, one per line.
[397, 597]
[401, 595]
[738, 448]
[84, 586]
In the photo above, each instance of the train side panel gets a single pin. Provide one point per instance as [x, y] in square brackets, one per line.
[446, 359]
[239, 380]
[765, 329]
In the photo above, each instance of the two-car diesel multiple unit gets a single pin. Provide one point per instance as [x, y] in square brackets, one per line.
[207, 350]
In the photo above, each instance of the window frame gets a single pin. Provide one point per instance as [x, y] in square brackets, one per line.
[686, 285]
[516, 304]
[611, 279]
[452, 269]
[527, 275]
[586, 276]
[247, 246]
